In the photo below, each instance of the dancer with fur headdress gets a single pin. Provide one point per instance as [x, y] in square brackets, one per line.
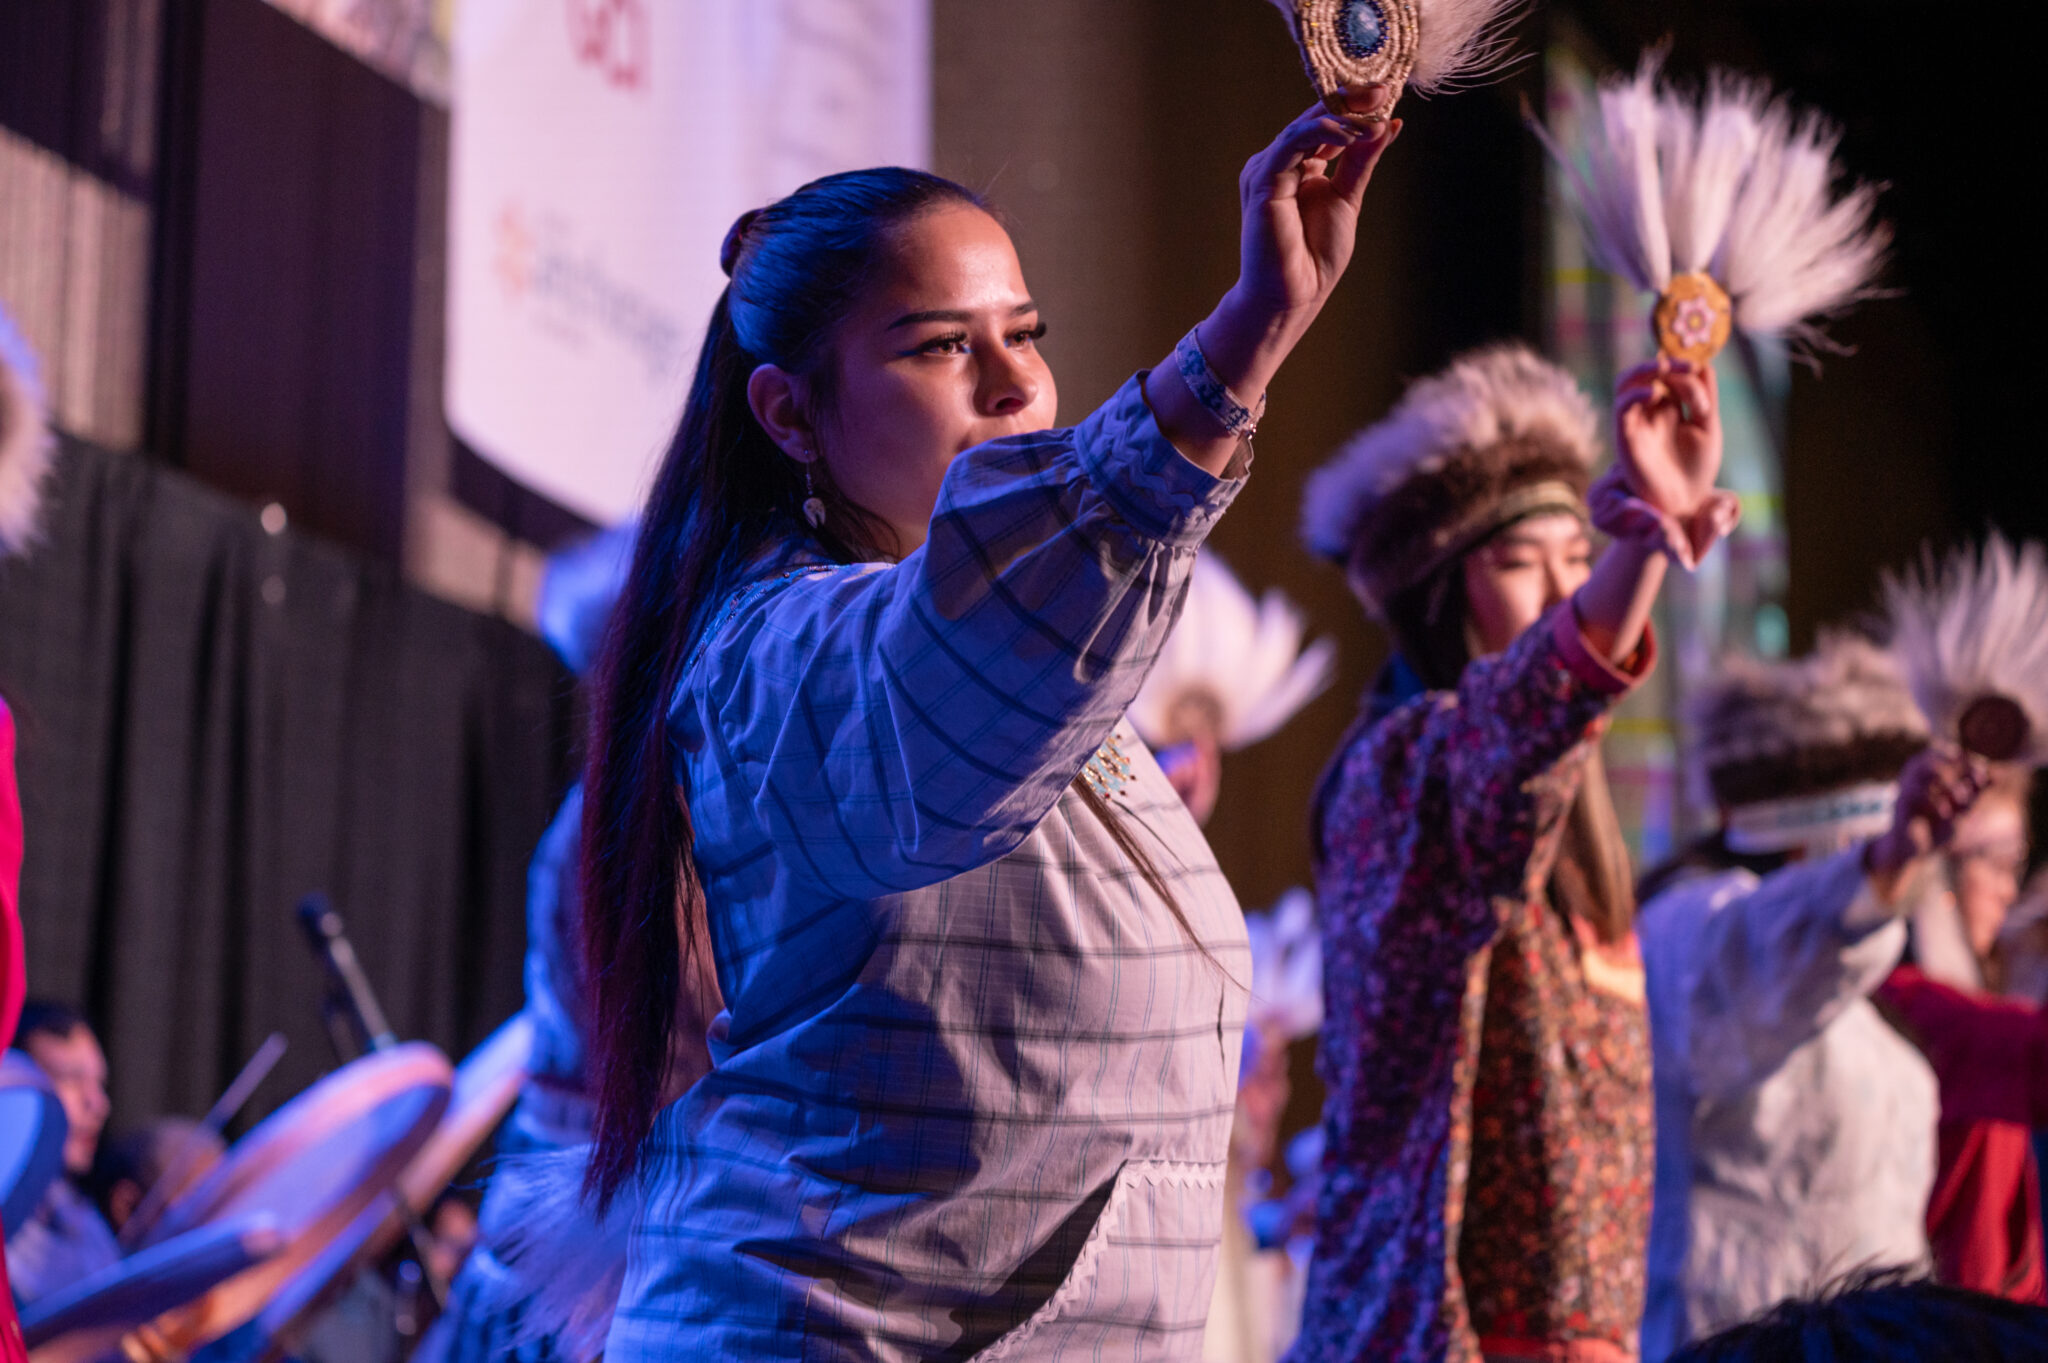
[1488, 1143]
[1972, 636]
[24, 462]
[1795, 1126]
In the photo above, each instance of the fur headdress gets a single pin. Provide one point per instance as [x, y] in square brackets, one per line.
[1431, 46]
[1773, 730]
[1722, 205]
[1436, 475]
[1242, 656]
[1972, 636]
[24, 441]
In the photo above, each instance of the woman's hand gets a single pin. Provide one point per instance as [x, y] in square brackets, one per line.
[1667, 431]
[1667, 438]
[1937, 788]
[1300, 199]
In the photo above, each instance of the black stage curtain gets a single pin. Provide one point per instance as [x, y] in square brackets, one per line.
[215, 720]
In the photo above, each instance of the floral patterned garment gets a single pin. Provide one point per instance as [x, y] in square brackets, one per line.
[1464, 1048]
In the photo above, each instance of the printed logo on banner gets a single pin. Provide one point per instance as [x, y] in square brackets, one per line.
[572, 295]
[612, 35]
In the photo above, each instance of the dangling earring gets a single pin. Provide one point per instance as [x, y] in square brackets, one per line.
[814, 508]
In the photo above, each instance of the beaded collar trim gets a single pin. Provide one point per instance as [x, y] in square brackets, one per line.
[1109, 771]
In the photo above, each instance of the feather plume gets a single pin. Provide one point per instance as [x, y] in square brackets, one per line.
[1974, 625]
[570, 1262]
[1464, 43]
[1245, 656]
[1792, 250]
[1730, 182]
[1287, 965]
[24, 441]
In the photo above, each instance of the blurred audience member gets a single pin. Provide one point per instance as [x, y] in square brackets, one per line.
[174, 1151]
[65, 1239]
[1884, 1317]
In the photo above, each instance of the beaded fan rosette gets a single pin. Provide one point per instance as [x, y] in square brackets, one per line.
[1722, 203]
[1971, 635]
[1426, 45]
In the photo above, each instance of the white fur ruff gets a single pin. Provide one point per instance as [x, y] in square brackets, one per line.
[572, 1263]
[1246, 656]
[1496, 394]
[24, 441]
[1732, 182]
[1460, 43]
[1972, 625]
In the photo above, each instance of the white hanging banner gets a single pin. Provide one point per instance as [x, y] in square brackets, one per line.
[601, 148]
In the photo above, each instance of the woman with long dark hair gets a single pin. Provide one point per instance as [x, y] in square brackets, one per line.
[1486, 1171]
[858, 746]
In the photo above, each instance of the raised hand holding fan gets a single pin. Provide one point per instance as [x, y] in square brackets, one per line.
[1971, 635]
[1722, 204]
[1427, 45]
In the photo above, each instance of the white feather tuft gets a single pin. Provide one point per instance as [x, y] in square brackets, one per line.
[1463, 43]
[1793, 251]
[1287, 966]
[1975, 624]
[1731, 182]
[1244, 655]
[572, 1263]
[24, 441]
[1485, 398]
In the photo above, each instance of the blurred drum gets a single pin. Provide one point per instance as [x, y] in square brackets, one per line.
[87, 1321]
[32, 1130]
[486, 1085]
[315, 1165]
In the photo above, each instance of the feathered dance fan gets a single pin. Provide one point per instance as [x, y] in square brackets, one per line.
[1240, 659]
[1722, 205]
[1428, 45]
[24, 441]
[1287, 966]
[1971, 635]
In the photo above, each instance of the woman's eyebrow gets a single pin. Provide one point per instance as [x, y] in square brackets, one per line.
[911, 319]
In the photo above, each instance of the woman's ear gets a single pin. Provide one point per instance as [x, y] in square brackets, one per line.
[777, 399]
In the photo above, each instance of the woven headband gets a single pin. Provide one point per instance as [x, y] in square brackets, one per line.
[1455, 540]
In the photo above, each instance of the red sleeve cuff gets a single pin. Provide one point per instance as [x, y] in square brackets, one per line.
[1595, 671]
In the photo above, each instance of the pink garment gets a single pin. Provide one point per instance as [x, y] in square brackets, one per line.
[13, 982]
[1991, 1056]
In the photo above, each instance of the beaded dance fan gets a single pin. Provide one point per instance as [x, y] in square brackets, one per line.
[1241, 658]
[1428, 45]
[1722, 204]
[1971, 635]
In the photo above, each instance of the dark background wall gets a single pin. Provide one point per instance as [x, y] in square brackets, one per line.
[292, 298]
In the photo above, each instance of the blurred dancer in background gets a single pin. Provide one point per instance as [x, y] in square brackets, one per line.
[486, 1320]
[24, 462]
[1795, 1126]
[1989, 1054]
